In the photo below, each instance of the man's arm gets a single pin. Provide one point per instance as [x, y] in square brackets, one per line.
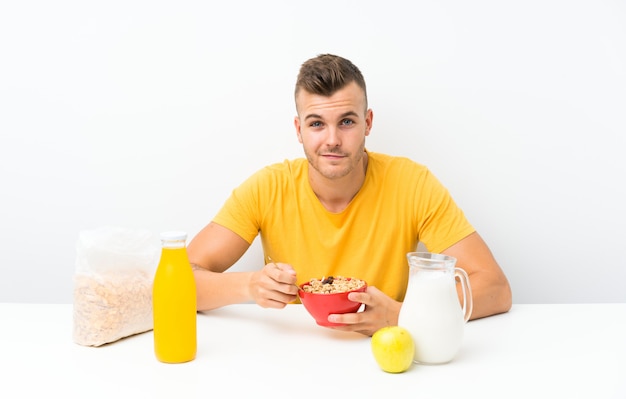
[491, 292]
[212, 251]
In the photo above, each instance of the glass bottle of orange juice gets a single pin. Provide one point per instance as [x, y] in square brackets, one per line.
[174, 302]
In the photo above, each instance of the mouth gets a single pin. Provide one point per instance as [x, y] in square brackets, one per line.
[333, 156]
[333, 159]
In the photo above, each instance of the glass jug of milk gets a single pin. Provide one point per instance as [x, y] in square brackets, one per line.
[431, 311]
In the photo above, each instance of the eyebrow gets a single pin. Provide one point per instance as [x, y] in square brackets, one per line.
[344, 115]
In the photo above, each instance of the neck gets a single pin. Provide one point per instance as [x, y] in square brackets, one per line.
[336, 194]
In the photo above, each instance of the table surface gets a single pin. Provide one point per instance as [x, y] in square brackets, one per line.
[534, 351]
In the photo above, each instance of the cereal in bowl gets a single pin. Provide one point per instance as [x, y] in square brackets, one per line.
[333, 285]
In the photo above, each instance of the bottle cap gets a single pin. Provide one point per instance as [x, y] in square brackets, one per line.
[174, 236]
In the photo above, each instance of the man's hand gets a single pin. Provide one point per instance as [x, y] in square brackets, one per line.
[274, 285]
[380, 311]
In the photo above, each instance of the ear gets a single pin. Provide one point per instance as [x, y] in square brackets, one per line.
[369, 118]
[296, 123]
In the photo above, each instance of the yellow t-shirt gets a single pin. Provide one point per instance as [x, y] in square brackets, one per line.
[399, 204]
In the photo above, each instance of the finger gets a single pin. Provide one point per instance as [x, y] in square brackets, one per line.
[371, 296]
[362, 297]
[272, 271]
[345, 318]
[275, 298]
[270, 303]
[352, 322]
[279, 299]
[285, 267]
[281, 273]
[282, 283]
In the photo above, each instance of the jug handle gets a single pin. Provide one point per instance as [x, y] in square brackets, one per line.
[468, 303]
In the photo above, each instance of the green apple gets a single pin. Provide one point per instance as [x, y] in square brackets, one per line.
[393, 349]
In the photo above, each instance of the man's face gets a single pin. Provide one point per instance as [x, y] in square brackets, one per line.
[332, 130]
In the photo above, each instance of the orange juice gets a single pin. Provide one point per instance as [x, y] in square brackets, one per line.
[174, 302]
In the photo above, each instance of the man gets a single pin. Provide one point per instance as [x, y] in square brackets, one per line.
[342, 211]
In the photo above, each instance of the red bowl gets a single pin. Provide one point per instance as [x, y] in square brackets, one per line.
[322, 305]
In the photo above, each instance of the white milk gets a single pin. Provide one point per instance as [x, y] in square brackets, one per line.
[433, 315]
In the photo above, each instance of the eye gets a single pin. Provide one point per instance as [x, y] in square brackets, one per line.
[347, 122]
[316, 124]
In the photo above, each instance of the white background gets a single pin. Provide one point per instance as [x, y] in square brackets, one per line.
[146, 114]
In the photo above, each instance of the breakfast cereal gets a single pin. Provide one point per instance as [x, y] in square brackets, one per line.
[333, 285]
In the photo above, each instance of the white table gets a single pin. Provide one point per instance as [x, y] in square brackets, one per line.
[534, 351]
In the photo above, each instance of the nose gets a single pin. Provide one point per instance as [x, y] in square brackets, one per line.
[332, 138]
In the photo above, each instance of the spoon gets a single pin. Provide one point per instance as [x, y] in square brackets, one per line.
[269, 259]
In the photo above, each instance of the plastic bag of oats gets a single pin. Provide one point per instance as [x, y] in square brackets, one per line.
[113, 284]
